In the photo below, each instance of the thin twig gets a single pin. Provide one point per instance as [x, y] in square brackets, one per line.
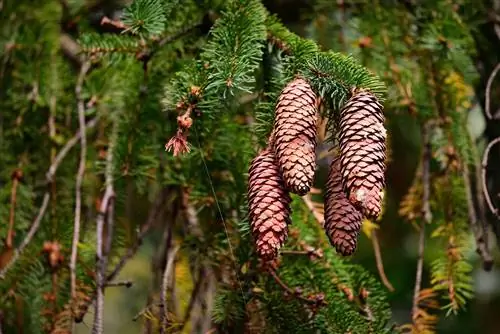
[480, 233]
[487, 103]
[426, 215]
[380, 262]
[43, 208]
[163, 294]
[29, 236]
[79, 177]
[156, 210]
[484, 165]
[310, 205]
[107, 200]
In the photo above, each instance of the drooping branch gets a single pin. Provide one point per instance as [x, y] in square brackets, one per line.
[45, 201]
[79, 177]
[426, 216]
[378, 260]
[487, 102]
[16, 176]
[484, 165]
[106, 205]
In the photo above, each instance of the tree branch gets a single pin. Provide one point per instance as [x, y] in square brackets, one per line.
[193, 298]
[79, 177]
[172, 252]
[106, 204]
[379, 262]
[43, 208]
[426, 215]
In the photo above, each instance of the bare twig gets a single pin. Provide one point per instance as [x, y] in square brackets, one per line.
[107, 200]
[43, 208]
[29, 236]
[310, 205]
[480, 233]
[156, 210]
[380, 262]
[65, 150]
[484, 165]
[163, 294]
[426, 215]
[70, 48]
[79, 177]
[487, 103]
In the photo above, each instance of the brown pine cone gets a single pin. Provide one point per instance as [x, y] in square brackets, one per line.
[362, 142]
[269, 205]
[295, 135]
[342, 220]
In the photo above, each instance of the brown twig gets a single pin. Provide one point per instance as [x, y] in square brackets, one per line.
[296, 293]
[484, 165]
[480, 233]
[379, 262]
[487, 103]
[426, 215]
[163, 293]
[106, 203]
[79, 177]
[16, 176]
[157, 209]
[310, 205]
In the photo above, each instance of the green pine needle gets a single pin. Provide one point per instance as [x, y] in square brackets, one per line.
[145, 17]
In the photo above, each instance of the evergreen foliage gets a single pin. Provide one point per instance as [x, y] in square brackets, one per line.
[219, 65]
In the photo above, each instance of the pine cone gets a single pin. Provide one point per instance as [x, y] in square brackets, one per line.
[342, 219]
[269, 205]
[295, 136]
[363, 152]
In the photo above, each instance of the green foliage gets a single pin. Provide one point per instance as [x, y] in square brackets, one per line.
[145, 17]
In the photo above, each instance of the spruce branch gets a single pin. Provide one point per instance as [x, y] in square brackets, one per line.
[126, 284]
[80, 175]
[193, 298]
[45, 201]
[167, 274]
[426, 217]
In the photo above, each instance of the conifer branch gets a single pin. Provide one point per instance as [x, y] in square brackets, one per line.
[167, 274]
[43, 208]
[194, 297]
[484, 165]
[426, 216]
[80, 175]
[126, 284]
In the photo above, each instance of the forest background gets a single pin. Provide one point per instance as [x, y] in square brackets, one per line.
[122, 67]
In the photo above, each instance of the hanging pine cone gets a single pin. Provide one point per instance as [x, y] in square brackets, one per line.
[269, 205]
[363, 152]
[342, 219]
[295, 141]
